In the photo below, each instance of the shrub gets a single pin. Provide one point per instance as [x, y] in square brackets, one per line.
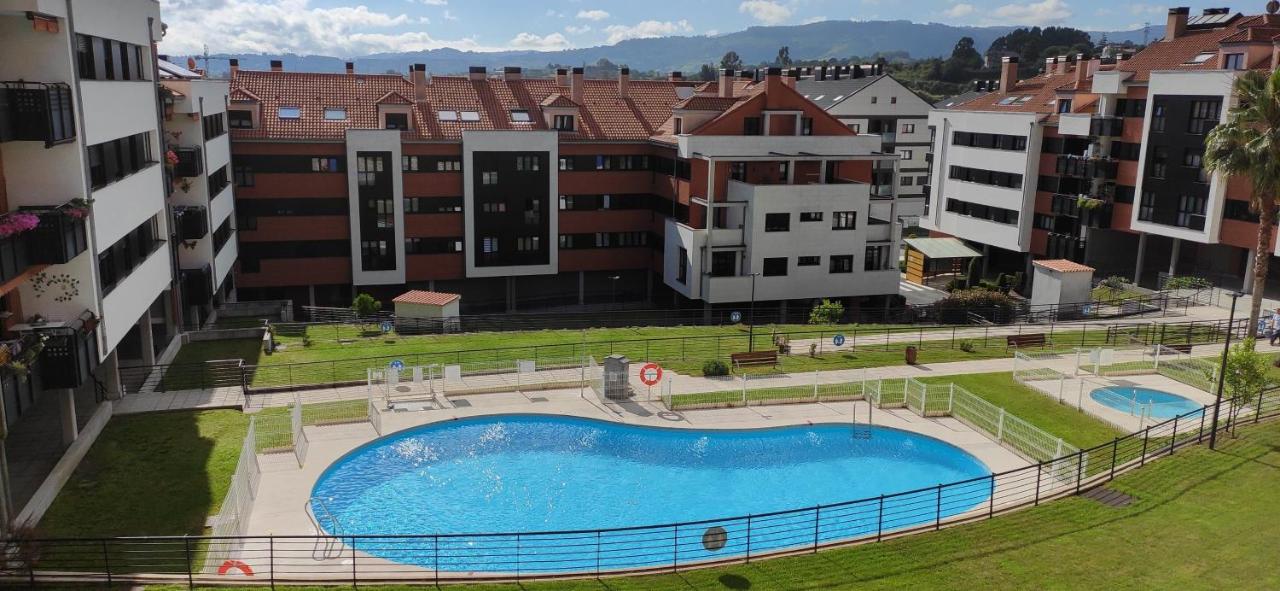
[955, 285]
[966, 346]
[364, 305]
[715, 367]
[826, 312]
[996, 305]
[1187, 282]
[1114, 283]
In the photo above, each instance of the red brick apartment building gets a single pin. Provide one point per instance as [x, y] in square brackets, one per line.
[1099, 160]
[522, 193]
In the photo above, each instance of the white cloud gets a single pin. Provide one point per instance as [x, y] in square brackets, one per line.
[543, 43]
[814, 19]
[959, 10]
[1141, 9]
[1045, 12]
[435, 2]
[647, 29]
[294, 26]
[576, 30]
[593, 15]
[765, 11]
[449, 16]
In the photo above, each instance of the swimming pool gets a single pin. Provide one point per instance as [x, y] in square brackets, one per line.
[540, 473]
[1135, 400]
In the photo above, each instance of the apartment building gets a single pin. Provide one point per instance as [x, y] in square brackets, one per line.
[870, 101]
[1099, 160]
[85, 268]
[521, 193]
[200, 192]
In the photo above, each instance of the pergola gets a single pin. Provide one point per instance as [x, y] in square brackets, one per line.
[932, 257]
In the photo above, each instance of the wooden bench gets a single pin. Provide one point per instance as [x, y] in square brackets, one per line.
[1019, 341]
[754, 358]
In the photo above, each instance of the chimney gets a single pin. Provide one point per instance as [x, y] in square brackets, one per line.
[675, 76]
[725, 85]
[773, 79]
[820, 74]
[835, 72]
[351, 68]
[1082, 69]
[577, 85]
[235, 66]
[476, 72]
[1064, 64]
[1008, 73]
[1177, 23]
[511, 73]
[419, 78]
[277, 66]
[791, 77]
[1050, 64]
[624, 81]
[562, 76]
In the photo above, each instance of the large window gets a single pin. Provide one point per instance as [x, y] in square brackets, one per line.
[995, 141]
[1204, 115]
[982, 176]
[432, 245]
[217, 181]
[562, 122]
[243, 175]
[432, 204]
[118, 158]
[777, 222]
[841, 263]
[396, 121]
[808, 261]
[239, 119]
[107, 59]
[844, 220]
[775, 266]
[367, 169]
[119, 260]
[983, 212]
[877, 258]
[811, 216]
[214, 125]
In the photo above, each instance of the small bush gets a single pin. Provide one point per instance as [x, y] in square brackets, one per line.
[1187, 282]
[955, 285]
[306, 341]
[826, 312]
[966, 346]
[715, 367]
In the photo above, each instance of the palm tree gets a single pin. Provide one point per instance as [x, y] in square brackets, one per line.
[1248, 145]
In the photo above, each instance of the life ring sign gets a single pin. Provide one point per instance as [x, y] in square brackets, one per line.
[650, 374]
[237, 565]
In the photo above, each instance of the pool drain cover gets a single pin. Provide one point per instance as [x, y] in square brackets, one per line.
[460, 402]
[1109, 497]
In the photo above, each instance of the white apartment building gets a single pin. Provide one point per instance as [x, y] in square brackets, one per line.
[86, 278]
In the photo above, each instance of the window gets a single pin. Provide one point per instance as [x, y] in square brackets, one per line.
[217, 181]
[922, 180]
[1192, 158]
[566, 163]
[471, 116]
[1064, 105]
[682, 268]
[1191, 211]
[384, 212]
[999, 215]
[447, 115]
[289, 112]
[1204, 115]
[751, 126]
[841, 263]
[679, 126]
[875, 99]
[520, 116]
[1008, 180]
[808, 261]
[806, 126]
[367, 169]
[493, 207]
[489, 178]
[335, 114]
[105, 59]
[893, 100]
[409, 163]
[527, 243]
[1159, 161]
[1233, 61]
[243, 175]
[811, 216]
[489, 245]
[118, 158]
[844, 220]
[877, 258]
[325, 165]
[213, 125]
[1131, 107]
[777, 222]
[906, 154]
[532, 211]
[432, 245]
[562, 122]
[527, 163]
[448, 165]
[907, 181]
[1157, 117]
[738, 171]
[908, 128]
[855, 127]
[994, 141]
[240, 119]
[396, 121]
[775, 267]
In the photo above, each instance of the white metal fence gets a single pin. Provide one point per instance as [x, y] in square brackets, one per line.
[435, 381]
[300, 443]
[232, 518]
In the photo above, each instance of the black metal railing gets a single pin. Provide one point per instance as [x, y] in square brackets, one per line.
[433, 558]
[193, 222]
[1085, 167]
[60, 236]
[190, 164]
[36, 111]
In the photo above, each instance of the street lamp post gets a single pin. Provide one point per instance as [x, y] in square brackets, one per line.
[613, 291]
[1222, 370]
[751, 316]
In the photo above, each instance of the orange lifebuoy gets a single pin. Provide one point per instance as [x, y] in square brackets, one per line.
[236, 564]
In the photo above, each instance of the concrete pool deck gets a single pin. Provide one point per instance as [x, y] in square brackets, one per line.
[285, 489]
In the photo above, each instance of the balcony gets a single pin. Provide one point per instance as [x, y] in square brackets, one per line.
[70, 351]
[60, 236]
[190, 164]
[879, 230]
[888, 137]
[14, 258]
[36, 111]
[1083, 167]
[192, 222]
[1106, 126]
[197, 285]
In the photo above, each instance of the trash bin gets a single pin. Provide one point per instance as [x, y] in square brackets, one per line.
[911, 354]
[616, 368]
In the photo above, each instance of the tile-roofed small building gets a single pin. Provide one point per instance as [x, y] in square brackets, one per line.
[430, 298]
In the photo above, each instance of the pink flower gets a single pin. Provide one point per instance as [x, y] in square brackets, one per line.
[17, 223]
[171, 157]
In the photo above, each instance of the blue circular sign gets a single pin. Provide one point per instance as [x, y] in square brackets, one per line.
[837, 340]
[386, 326]
[397, 364]
[735, 317]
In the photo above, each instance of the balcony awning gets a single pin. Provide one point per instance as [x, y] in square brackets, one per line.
[942, 248]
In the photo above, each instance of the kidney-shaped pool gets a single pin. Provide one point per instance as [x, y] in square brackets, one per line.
[543, 473]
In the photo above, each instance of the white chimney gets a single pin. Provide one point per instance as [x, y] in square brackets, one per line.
[725, 85]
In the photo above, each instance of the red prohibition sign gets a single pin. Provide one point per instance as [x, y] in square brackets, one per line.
[650, 374]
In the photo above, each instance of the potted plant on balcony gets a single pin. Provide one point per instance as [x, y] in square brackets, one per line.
[12, 224]
[19, 357]
[1087, 203]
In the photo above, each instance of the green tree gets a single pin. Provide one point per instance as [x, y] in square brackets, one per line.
[707, 72]
[1245, 377]
[1248, 145]
[365, 307]
[731, 61]
[826, 312]
[784, 56]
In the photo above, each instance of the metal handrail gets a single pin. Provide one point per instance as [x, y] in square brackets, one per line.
[331, 539]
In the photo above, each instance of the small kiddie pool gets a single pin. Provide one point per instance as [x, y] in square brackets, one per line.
[1137, 401]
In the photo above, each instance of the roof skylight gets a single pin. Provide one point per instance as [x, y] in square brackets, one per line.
[1202, 57]
[520, 116]
[289, 112]
[470, 116]
[447, 115]
[335, 114]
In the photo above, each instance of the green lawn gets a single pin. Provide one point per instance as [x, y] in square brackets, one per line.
[1199, 520]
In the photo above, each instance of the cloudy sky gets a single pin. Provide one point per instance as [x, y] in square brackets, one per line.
[348, 28]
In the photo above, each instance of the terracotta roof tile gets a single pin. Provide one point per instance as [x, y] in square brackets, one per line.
[1063, 266]
[706, 103]
[433, 298]
[1041, 89]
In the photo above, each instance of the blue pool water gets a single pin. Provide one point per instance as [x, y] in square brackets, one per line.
[1133, 400]
[539, 473]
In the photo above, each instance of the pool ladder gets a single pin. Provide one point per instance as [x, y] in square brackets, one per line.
[331, 546]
